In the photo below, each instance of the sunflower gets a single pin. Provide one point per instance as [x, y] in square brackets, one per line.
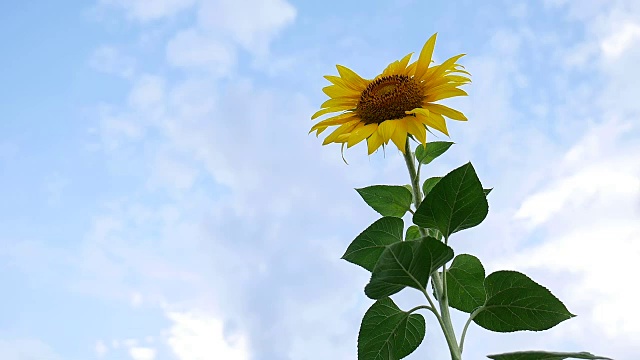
[396, 104]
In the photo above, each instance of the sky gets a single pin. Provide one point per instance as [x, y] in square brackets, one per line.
[161, 198]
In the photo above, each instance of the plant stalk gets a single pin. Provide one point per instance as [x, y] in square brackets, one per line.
[438, 288]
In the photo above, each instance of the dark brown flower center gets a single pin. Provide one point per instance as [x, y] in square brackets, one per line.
[388, 98]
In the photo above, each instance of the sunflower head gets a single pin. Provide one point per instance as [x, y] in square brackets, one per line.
[399, 102]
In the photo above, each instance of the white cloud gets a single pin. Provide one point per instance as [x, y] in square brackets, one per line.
[148, 10]
[136, 299]
[251, 23]
[172, 173]
[26, 349]
[199, 336]
[592, 215]
[147, 94]
[115, 129]
[101, 348]
[620, 40]
[142, 353]
[587, 210]
[616, 180]
[130, 342]
[111, 60]
[194, 48]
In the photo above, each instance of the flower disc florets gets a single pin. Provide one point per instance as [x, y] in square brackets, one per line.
[388, 97]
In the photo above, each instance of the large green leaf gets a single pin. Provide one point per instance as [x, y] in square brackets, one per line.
[388, 333]
[545, 355]
[465, 283]
[387, 200]
[515, 302]
[367, 247]
[408, 263]
[432, 151]
[455, 203]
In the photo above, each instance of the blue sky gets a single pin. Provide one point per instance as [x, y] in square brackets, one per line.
[161, 198]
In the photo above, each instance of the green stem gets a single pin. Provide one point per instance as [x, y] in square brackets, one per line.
[430, 308]
[466, 326]
[433, 307]
[438, 287]
[449, 333]
[415, 181]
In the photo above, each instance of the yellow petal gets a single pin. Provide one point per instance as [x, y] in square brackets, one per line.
[334, 120]
[386, 129]
[440, 88]
[411, 69]
[336, 91]
[374, 141]
[444, 66]
[436, 83]
[437, 122]
[446, 111]
[344, 128]
[430, 119]
[330, 110]
[446, 94]
[341, 139]
[430, 72]
[425, 57]
[449, 80]
[402, 66]
[351, 77]
[320, 131]
[418, 111]
[415, 128]
[336, 80]
[399, 136]
[361, 133]
[459, 79]
[390, 69]
[341, 101]
[460, 71]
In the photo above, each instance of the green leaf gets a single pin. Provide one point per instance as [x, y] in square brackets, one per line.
[545, 355]
[388, 333]
[367, 247]
[465, 283]
[487, 191]
[429, 184]
[455, 203]
[408, 263]
[432, 151]
[387, 200]
[515, 302]
[413, 233]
